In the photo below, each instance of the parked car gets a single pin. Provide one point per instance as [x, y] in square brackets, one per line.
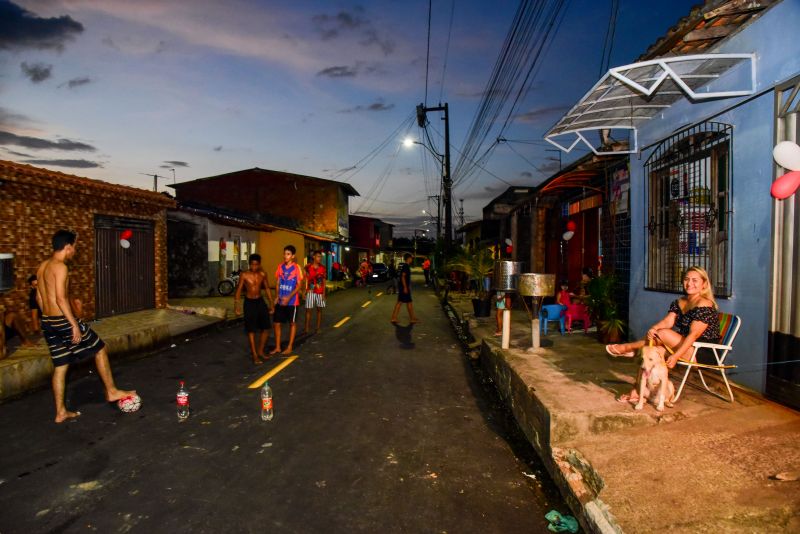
[380, 273]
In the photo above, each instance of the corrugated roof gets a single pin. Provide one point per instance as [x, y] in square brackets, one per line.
[18, 172]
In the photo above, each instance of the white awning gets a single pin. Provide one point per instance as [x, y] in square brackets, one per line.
[630, 94]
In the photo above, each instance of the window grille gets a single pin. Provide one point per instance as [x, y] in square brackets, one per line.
[688, 194]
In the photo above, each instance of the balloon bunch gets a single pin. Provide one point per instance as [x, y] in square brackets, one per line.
[787, 155]
[571, 227]
[124, 238]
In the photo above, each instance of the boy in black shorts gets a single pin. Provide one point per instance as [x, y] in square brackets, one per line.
[404, 290]
[256, 313]
[289, 282]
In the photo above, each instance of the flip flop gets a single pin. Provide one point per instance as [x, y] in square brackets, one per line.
[629, 354]
[625, 398]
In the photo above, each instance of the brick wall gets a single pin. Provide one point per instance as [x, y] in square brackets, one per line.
[35, 203]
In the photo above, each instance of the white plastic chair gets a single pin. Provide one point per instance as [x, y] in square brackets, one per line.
[729, 327]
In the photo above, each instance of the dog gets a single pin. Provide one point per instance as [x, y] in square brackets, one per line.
[655, 379]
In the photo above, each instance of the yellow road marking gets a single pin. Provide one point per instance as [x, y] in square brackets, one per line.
[379, 294]
[366, 304]
[275, 370]
[340, 323]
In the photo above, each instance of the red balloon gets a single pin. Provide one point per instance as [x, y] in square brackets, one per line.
[126, 234]
[571, 226]
[786, 185]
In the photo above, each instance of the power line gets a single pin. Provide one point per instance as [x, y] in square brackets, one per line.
[608, 42]
[366, 160]
[428, 55]
[447, 47]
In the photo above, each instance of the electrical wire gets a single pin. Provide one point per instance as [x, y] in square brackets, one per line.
[428, 54]
[608, 41]
[447, 47]
[366, 160]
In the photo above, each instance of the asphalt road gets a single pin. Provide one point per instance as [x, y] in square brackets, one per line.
[377, 428]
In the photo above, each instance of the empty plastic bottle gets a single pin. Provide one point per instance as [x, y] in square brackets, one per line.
[266, 403]
[182, 400]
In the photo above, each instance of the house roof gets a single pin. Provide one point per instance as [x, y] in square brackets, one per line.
[511, 195]
[18, 172]
[266, 173]
[248, 220]
[374, 219]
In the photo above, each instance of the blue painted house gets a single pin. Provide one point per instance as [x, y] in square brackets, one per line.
[701, 113]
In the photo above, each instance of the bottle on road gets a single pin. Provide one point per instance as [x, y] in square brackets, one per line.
[266, 403]
[182, 400]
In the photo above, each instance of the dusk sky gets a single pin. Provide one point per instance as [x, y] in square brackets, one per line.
[112, 89]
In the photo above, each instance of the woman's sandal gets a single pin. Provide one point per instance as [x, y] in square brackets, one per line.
[629, 354]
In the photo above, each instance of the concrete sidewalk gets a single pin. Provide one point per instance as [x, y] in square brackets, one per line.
[703, 466]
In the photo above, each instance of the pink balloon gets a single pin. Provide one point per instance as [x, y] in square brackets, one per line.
[786, 185]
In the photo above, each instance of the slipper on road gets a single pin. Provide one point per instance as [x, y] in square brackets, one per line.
[628, 354]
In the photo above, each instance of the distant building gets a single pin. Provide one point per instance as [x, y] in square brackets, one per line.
[219, 221]
[370, 239]
[107, 277]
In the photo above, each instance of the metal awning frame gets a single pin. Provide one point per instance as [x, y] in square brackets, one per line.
[620, 76]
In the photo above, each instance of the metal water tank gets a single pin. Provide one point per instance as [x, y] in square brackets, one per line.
[6, 271]
[505, 275]
[536, 285]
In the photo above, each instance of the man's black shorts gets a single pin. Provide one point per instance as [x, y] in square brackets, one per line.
[285, 314]
[256, 315]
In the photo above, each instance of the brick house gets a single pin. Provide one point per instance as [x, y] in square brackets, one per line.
[220, 220]
[106, 277]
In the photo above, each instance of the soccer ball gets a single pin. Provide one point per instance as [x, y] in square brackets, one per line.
[130, 404]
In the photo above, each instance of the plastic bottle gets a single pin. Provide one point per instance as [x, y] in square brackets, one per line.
[182, 400]
[266, 403]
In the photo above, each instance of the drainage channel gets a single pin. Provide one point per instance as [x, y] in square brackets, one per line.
[502, 421]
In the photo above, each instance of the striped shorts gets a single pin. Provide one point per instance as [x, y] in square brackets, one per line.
[315, 300]
[58, 335]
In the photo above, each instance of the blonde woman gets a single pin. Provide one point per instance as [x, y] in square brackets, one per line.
[689, 319]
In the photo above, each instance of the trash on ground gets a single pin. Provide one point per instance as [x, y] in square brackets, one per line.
[787, 476]
[561, 523]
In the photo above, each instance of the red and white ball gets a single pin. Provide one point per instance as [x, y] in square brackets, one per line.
[130, 404]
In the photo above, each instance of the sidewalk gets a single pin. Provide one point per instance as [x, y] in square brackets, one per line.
[702, 466]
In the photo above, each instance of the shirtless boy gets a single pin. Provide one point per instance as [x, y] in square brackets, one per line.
[256, 313]
[69, 339]
[289, 282]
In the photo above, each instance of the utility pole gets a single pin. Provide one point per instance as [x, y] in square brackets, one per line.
[461, 212]
[447, 182]
[438, 215]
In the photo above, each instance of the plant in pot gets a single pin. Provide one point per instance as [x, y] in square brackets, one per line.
[477, 266]
[603, 306]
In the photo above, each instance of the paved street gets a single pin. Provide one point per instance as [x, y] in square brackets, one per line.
[377, 429]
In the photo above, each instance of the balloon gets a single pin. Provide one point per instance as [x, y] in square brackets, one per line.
[124, 243]
[571, 226]
[787, 155]
[509, 242]
[126, 234]
[568, 235]
[786, 185]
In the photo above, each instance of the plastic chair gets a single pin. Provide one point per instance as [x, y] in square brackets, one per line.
[578, 312]
[728, 328]
[551, 312]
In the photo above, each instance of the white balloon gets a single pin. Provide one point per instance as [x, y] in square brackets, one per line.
[787, 155]
[568, 235]
[124, 243]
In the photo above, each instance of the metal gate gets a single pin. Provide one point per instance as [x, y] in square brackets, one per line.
[783, 370]
[125, 276]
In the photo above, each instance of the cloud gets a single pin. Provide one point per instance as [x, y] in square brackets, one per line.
[171, 164]
[36, 143]
[36, 72]
[340, 71]
[20, 29]
[135, 44]
[72, 163]
[539, 114]
[18, 154]
[9, 119]
[526, 174]
[77, 82]
[332, 27]
[378, 105]
[218, 148]
[487, 193]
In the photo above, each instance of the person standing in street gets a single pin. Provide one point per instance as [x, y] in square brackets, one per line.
[404, 290]
[289, 279]
[315, 290]
[426, 269]
[36, 313]
[69, 339]
[256, 313]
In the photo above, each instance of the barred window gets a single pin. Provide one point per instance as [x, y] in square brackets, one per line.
[688, 208]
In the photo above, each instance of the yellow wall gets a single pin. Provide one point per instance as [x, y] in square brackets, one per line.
[270, 246]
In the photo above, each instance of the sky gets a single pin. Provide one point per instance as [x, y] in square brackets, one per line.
[117, 90]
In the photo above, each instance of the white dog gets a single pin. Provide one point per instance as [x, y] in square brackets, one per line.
[655, 379]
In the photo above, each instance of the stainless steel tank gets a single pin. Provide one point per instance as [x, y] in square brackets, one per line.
[536, 285]
[505, 275]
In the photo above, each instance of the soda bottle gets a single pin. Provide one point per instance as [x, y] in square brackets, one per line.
[182, 399]
[266, 403]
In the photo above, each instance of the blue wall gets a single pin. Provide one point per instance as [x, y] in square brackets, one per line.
[771, 37]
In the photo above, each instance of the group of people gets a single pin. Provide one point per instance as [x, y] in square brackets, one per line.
[292, 283]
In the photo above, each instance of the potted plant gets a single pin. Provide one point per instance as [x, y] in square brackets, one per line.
[477, 266]
[602, 303]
